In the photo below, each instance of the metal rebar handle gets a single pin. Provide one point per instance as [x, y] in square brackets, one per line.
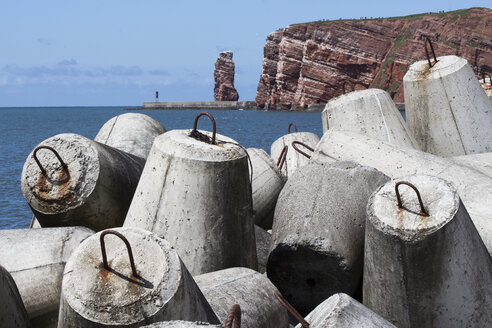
[290, 125]
[292, 311]
[128, 247]
[234, 316]
[200, 136]
[423, 212]
[428, 41]
[294, 145]
[282, 157]
[43, 171]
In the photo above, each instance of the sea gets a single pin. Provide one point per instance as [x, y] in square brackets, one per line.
[23, 128]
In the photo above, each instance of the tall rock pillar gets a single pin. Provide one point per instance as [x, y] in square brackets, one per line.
[224, 78]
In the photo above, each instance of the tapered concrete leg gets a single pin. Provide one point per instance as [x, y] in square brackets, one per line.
[197, 196]
[254, 293]
[263, 241]
[475, 189]
[12, 310]
[293, 159]
[36, 258]
[162, 288]
[369, 112]
[425, 270]
[132, 133]
[317, 243]
[93, 189]
[446, 108]
[267, 183]
[342, 311]
[480, 162]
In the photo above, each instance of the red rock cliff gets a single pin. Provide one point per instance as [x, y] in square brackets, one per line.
[311, 63]
[224, 78]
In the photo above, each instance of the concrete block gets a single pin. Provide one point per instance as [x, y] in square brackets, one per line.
[446, 108]
[254, 293]
[263, 240]
[317, 243]
[267, 183]
[197, 196]
[93, 189]
[157, 288]
[342, 311]
[369, 112]
[132, 133]
[293, 159]
[12, 311]
[35, 258]
[425, 264]
[475, 188]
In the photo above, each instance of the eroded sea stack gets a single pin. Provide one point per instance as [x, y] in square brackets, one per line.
[224, 78]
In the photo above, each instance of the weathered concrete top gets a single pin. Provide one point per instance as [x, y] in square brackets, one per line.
[116, 296]
[133, 133]
[178, 143]
[445, 65]
[60, 190]
[440, 201]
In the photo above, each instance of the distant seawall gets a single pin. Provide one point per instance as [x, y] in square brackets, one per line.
[199, 105]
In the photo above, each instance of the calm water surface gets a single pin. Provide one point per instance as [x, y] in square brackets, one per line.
[22, 129]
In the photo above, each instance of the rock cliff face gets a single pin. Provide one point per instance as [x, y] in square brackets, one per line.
[311, 63]
[224, 78]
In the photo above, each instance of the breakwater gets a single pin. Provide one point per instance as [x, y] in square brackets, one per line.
[199, 105]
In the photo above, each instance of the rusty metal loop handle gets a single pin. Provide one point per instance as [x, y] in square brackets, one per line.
[423, 212]
[213, 124]
[234, 316]
[128, 247]
[427, 40]
[65, 167]
[282, 157]
[292, 311]
[290, 125]
[294, 143]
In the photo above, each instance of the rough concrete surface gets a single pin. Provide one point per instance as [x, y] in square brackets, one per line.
[198, 197]
[35, 258]
[164, 289]
[254, 293]
[263, 240]
[132, 133]
[474, 188]
[266, 185]
[369, 112]
[95, 191]
[294, 159]
[180, 324]
[317, 243]
[446, 108]
[12, 311]
[425, 271]
[480, 162]
[342, 311]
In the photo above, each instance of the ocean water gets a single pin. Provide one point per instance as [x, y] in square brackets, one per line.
[22, 129]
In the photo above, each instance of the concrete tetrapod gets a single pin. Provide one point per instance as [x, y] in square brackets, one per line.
[69, 180]
[254, 293]
[342, 311]
[197, 195]
[12, 311]
[267, 183]
[317, 243]
[263, 240]
[128, 281]
[475, 188]
[293, 157]
[36, 258]
[369, 112]
[425, 264]
[480, 162]
[132, 133]
[446, 108]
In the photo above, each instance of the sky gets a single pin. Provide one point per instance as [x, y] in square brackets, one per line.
[118, 53]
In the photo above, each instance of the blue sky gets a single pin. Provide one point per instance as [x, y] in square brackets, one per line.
[110, 53]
